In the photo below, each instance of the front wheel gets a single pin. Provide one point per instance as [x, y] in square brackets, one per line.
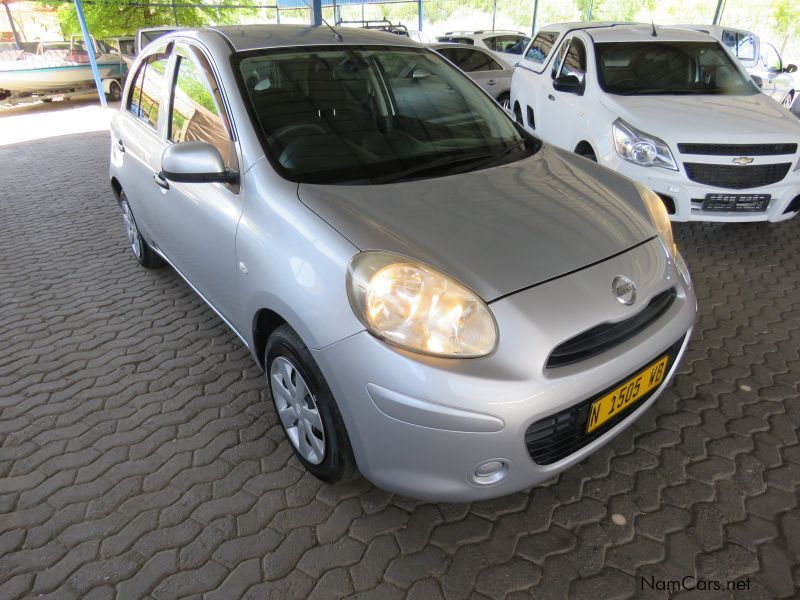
[504, 100]
[143, 253]
[306, 408]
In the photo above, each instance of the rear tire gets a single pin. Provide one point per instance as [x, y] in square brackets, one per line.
[141, 250]
[306, 408]
[114, 91]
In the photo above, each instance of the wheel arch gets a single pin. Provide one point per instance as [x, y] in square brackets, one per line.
[265, 321]
[583, 148]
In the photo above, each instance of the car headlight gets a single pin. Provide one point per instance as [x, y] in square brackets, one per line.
[418, 308]
[640, 148]
[659, 216]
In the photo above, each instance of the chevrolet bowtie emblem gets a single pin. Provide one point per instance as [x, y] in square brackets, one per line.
[743, 160]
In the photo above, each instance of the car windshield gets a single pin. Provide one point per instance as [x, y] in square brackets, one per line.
[634, 68]
[376, 114]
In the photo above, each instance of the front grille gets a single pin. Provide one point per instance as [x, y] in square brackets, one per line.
[738, 149]
[607, 335]
[559, 435]
[736, 177]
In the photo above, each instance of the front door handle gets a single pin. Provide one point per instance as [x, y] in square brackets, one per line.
[551, 97]
[491, 82]
[120, 146]
[160, 181]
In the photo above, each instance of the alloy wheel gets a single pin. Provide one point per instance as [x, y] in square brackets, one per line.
[134, 239]
[297, 409]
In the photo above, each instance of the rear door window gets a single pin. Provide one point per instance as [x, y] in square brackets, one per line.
[148, 89]
[470, 61]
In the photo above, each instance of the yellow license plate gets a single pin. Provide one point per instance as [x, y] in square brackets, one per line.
[627, 394]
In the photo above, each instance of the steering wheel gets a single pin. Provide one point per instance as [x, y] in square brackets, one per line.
[297, 129]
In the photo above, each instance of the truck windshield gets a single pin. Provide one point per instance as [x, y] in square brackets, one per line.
[372, 114]
[633, 68]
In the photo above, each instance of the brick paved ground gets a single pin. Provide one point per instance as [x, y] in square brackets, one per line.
[139, 454]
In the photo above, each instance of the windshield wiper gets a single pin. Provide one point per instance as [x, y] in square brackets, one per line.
[497, 158]
[443, 162]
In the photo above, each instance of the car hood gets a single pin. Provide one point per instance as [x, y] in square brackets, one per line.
[495, 230]
[707, 119]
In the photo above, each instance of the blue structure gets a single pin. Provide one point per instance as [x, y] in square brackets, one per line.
[90, 49]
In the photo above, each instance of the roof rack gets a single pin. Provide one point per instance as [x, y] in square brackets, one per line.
[378, 25]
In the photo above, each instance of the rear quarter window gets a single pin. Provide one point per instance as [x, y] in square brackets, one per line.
[541, 47]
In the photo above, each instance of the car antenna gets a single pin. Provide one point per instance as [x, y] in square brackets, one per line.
[654, 34]
[336, 34]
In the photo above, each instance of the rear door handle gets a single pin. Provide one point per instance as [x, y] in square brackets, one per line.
[160, 181]
[120, 146]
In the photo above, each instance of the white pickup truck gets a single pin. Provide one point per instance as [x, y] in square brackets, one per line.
[670, 108]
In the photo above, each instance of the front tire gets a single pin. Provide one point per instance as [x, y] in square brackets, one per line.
[306, 408]
[504, 100]
[142, 252]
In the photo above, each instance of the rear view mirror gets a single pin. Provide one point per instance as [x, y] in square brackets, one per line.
[420, 74]
[195, 162]
[790, 68]
[569, 84]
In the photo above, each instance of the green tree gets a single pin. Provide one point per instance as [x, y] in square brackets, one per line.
[787, 19]
[118, 17]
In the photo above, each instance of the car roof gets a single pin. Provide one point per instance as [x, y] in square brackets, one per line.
[254, 37]
[641, 32]
[484, 32]
[445, 45]
[629, 32]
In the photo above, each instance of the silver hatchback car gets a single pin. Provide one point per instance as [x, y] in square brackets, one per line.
[438, 300]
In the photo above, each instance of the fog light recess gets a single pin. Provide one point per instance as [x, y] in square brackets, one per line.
[490, 472]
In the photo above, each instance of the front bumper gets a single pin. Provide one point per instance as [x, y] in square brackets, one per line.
[422, 426]
[683, 191]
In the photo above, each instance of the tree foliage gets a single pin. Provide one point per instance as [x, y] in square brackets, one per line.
[119, 17]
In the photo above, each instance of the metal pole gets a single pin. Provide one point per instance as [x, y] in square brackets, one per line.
[317, 12]
[278, 14]
[13, 29]
[718, 12]
[420, 13]
[175, 12]
[89, 45]
[591, 6]
[494, 13]
[534, 23]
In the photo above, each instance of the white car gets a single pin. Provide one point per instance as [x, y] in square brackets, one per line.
[501, 42]
[761, 59]
[493, 74]
[669, 108]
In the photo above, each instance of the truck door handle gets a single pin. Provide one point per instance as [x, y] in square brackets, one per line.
[551, 97]
[160, 181]
[120, 146]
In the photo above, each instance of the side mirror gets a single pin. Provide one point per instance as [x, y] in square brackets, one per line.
[758, 80]
[195, 162]
[569, 84]
[790, 69]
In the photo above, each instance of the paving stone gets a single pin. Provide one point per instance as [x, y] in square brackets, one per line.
[140, 454]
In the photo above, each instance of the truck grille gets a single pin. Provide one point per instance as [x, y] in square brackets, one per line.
[736, 177]
[738, 149]
[557, 436]
[607, 335]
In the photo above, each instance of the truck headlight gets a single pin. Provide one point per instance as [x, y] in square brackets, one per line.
[418, 308]
[640, 148]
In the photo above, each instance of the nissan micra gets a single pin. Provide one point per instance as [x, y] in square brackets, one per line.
[438, 300]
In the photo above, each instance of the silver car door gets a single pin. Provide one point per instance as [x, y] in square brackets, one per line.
[138, 142]
[199, 220]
